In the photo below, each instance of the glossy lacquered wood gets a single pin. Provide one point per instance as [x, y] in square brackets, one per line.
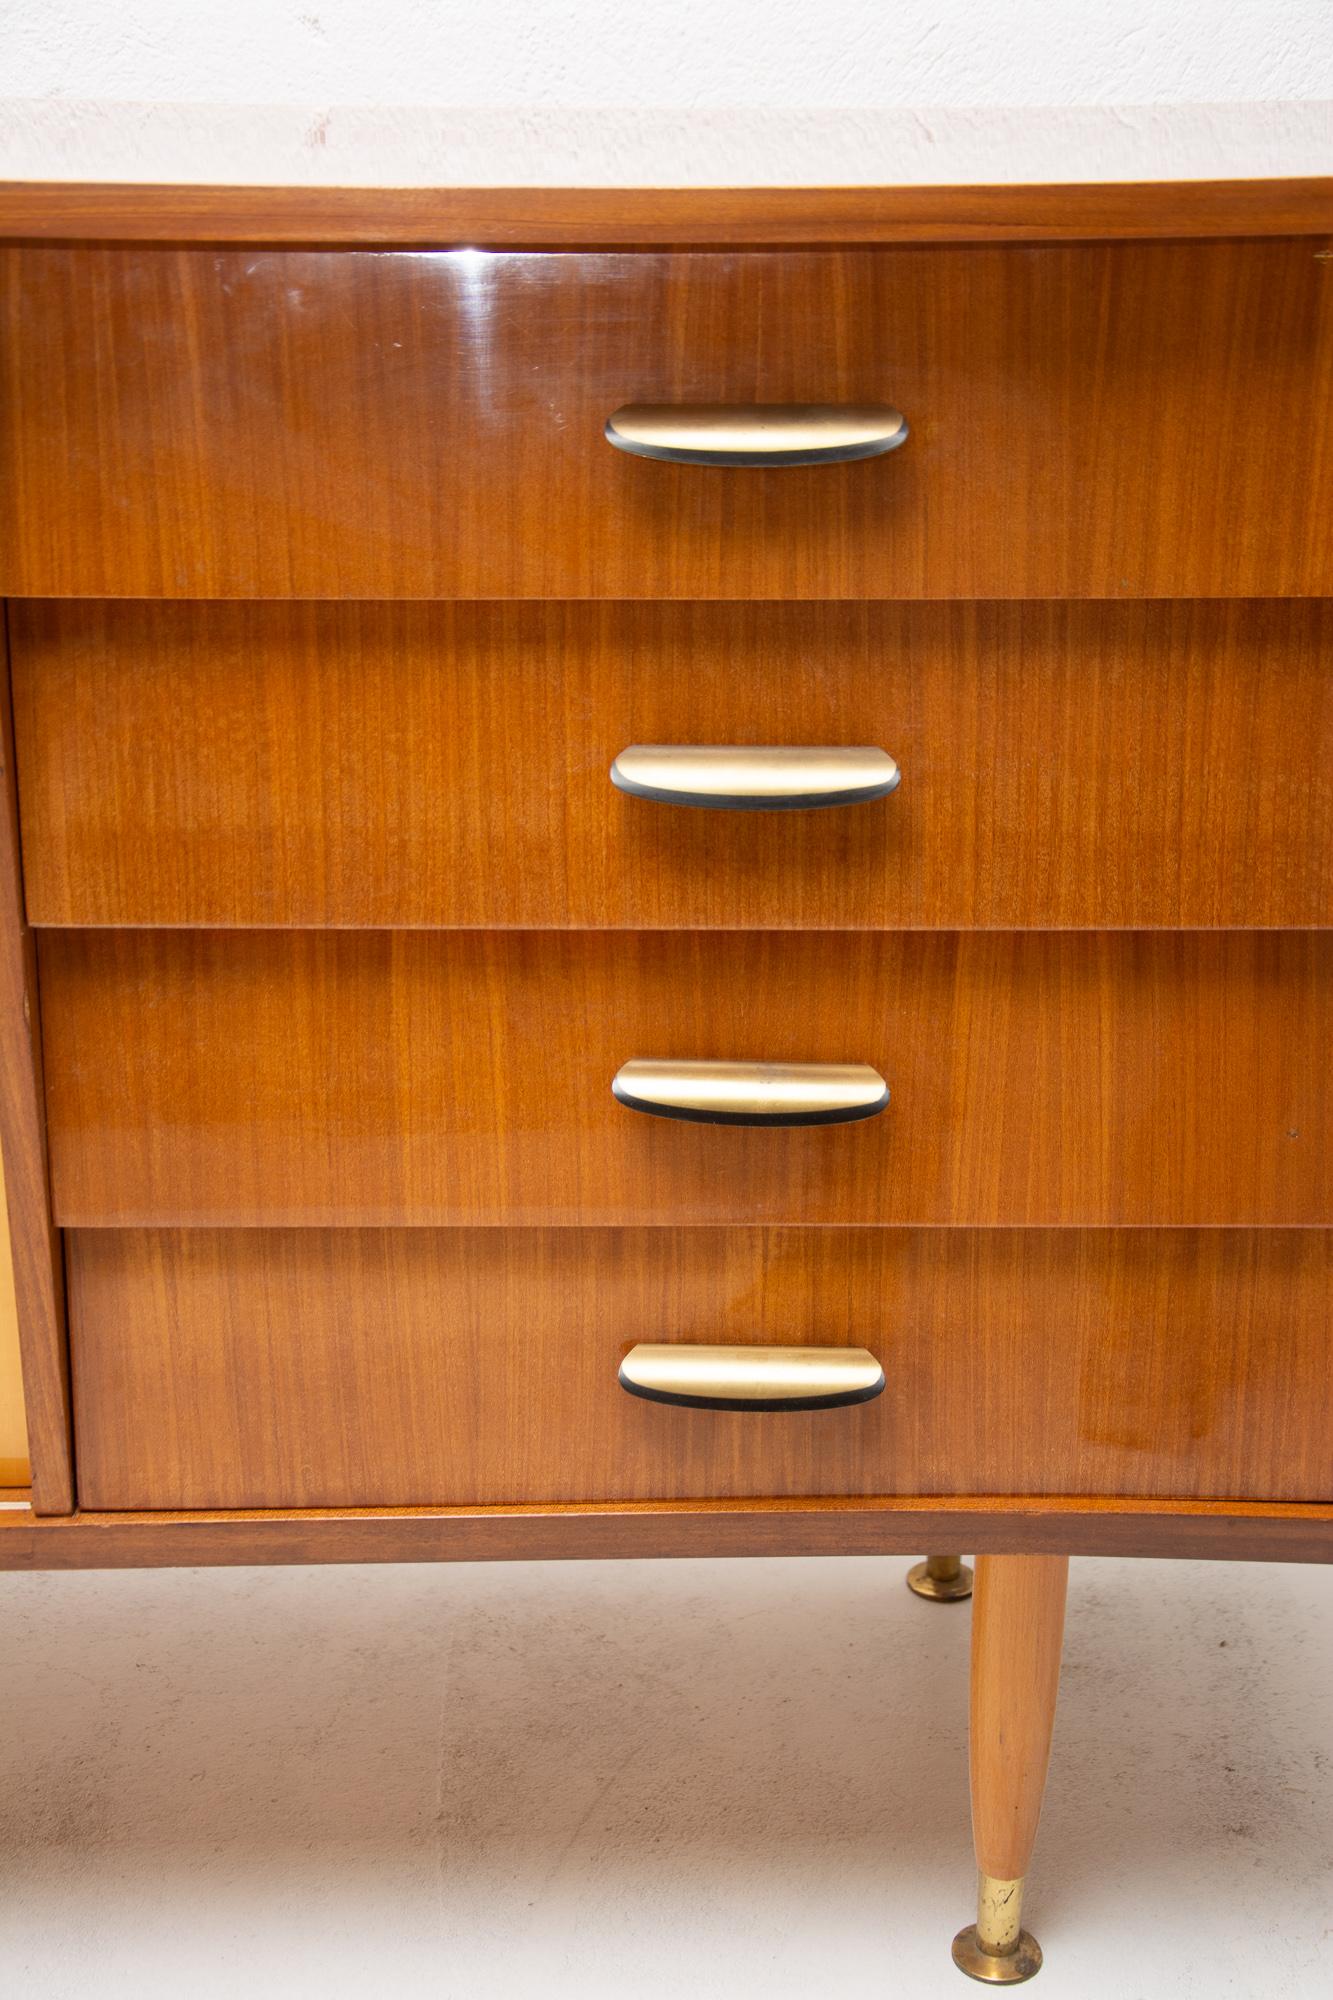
[139, 213]
[1063, 765]
[452, 1077]
[305, 1367]
[1090, 421]
[34, 1245]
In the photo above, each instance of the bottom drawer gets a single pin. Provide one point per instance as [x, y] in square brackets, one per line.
[299, 1368]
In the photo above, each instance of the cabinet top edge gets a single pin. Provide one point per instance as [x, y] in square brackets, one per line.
[656, 218]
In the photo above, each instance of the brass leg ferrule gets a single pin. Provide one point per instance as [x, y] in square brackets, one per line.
[999, 1915]
[996, 1949]
[942, 1579]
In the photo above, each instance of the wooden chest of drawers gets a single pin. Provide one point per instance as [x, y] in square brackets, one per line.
[332, 605]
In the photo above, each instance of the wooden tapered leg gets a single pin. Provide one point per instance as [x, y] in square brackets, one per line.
[1018, 1616]
[941, 1579]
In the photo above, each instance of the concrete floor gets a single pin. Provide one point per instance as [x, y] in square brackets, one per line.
[729, 1781]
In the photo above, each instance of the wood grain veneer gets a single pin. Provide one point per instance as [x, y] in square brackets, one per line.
[461, 1077]
[15, 1464]
[1227, 1531]
[1109, 421]
[138, 213]
[1125, 420]
[305, 1367]
[313, 764]
[34, 1245]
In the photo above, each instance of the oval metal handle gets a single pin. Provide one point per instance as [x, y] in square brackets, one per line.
[752, 1378]
[745, 777]
[756, 433]
[743, 1093]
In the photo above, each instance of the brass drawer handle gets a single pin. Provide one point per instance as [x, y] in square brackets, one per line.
[756, 433]
[745, 1093]
[745, 777]
[752, 1378]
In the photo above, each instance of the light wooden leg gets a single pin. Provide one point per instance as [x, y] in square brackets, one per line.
[1018, 1617]
[941, 1579]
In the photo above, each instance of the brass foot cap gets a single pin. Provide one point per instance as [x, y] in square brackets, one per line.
[1008, 1968]
[941, 1589]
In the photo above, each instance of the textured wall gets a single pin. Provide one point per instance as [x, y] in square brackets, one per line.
[699, 90]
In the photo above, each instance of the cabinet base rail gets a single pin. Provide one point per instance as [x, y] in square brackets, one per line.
[1229, 1531]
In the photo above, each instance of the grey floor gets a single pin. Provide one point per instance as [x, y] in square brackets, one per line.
[733, 1781]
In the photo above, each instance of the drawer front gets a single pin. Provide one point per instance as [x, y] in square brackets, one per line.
[1141, 419]
[358, 1368]
[1062, 765]
[459, 1077]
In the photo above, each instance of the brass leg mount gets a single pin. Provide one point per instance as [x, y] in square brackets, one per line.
[996, 1949]
[943, 1579]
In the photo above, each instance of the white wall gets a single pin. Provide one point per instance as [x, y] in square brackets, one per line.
[607, 91]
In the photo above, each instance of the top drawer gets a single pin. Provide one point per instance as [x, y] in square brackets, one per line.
[1143, 420]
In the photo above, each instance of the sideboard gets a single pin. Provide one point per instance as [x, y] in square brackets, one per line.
[667, 887]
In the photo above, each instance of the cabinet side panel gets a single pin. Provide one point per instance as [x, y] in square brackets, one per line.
[39, 1289]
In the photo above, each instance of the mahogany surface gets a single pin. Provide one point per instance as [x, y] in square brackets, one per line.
[727, 217]
[1063, 765]
[342, 928]
[1214, 1530]
[367, 1367]
[34, 1247]
[271, 1077]
[1092, 421]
